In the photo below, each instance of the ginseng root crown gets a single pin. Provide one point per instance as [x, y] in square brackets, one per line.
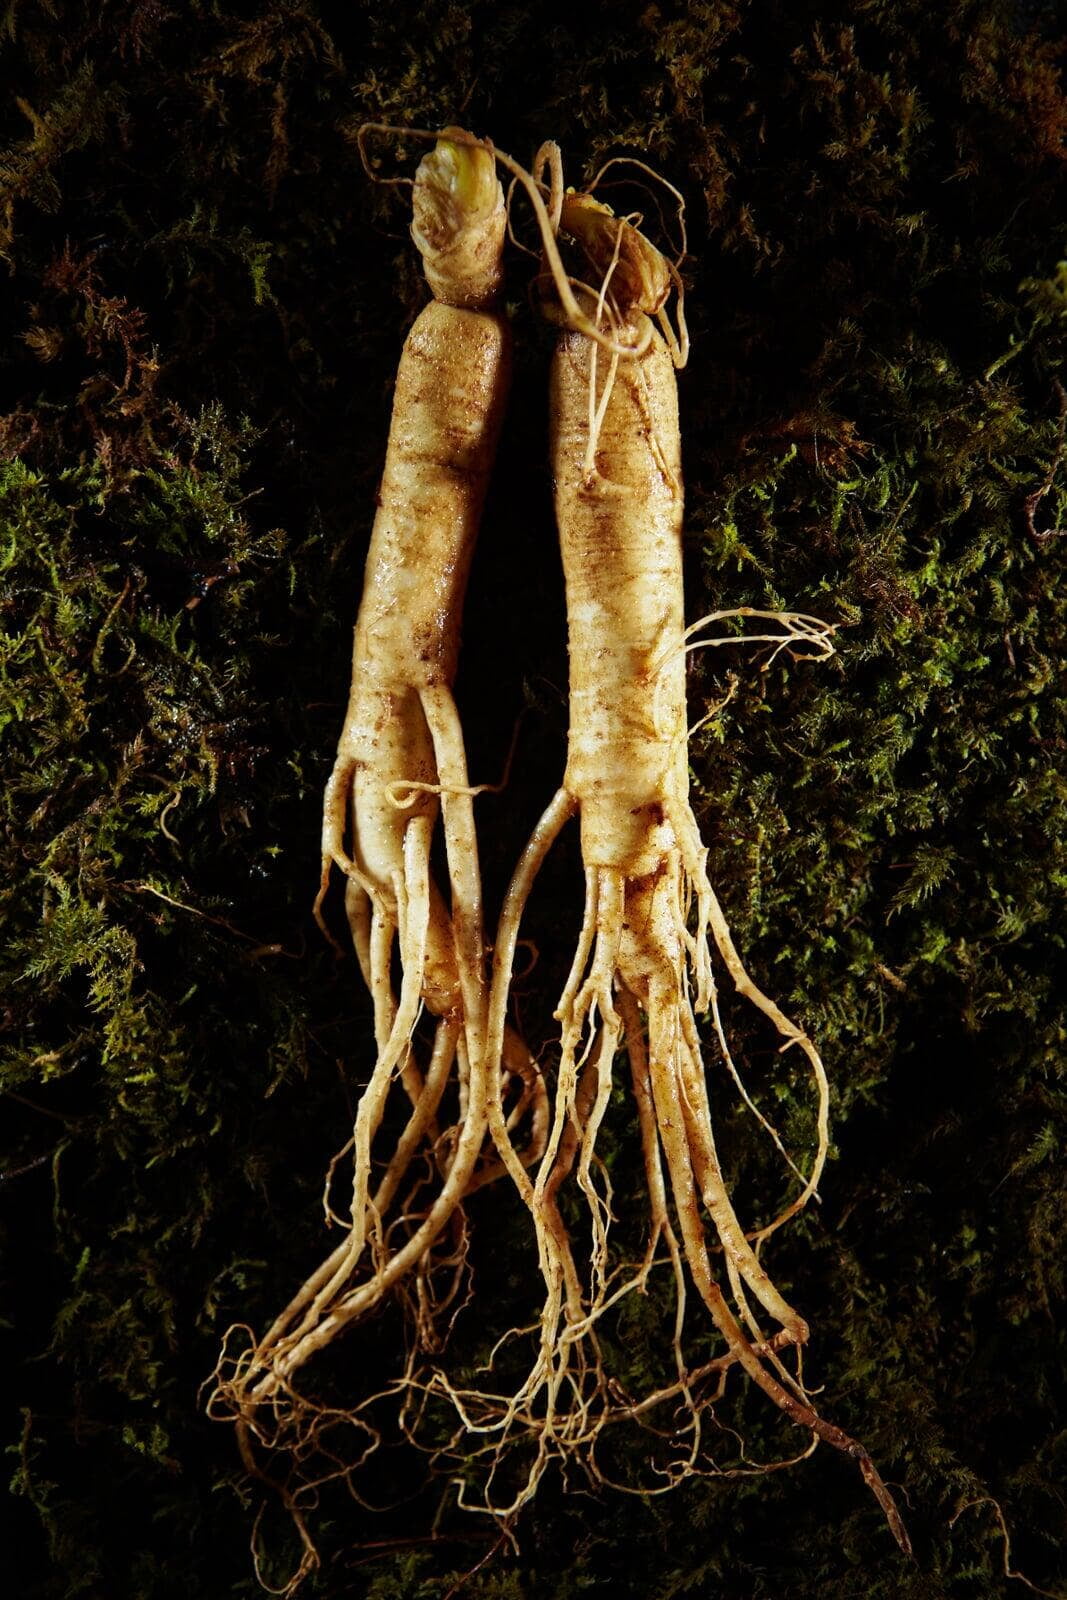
[640, 277]
[459, 220]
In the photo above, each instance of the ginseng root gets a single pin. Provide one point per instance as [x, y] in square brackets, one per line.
[643, 969]
[400, 765]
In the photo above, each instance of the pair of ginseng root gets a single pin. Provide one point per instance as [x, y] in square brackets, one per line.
[478, 1108]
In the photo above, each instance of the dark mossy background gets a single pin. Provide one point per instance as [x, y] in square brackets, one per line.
[204, 303]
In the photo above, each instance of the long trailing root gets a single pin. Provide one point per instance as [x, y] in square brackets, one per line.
[329, 1300]
[629, 974]
[628, 987]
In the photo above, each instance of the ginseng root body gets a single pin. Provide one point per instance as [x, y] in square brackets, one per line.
[400, 767]
[644, 967]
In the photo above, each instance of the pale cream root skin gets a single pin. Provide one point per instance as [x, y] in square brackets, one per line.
[643, 967]
[620, 539]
